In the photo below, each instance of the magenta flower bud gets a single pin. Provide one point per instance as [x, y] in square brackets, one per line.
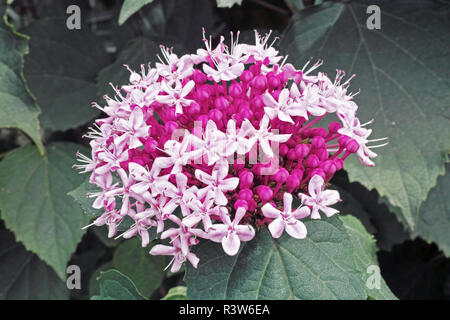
[283, 77]
[243, 104]
[246, 194]
[257, 168]
[150, 145]
[265, 193]
[259, 82]
[246, 76]
[221, 103]
[241, 204]
[255, 69]
[319, 172]
[203, 93]
[321, 132]
[322, 154]
[342, 140]
[199, 77]
[292, 155]
[334, 126]
[312, 161]
[352, 146]
[283, 150]
[292, 182]
[258, 102]
[276, 94]
[298, 173]
[252, 204]
[216, 115]
[203, 119]
[339, 163]
[302, 150]
[246, 179]
[274, 81]
[318, 142]
[170, 126]
[246, 113]
[235, 90]
[329, 167]
[194, 107]
[281, 175]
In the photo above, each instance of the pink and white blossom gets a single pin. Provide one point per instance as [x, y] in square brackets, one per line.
[320, 199]
[175, 151]
[287, 219]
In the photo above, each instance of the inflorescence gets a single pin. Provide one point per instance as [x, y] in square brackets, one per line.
[216, 144]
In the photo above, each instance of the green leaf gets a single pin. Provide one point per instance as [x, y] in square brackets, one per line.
[375, 216]
[176, 293]
[35, 204]
[23, 276]
[140, 51]
[130, 7]
[144, 270]
[365, 255]
[116, 286]
[403, 71]
[61, 71]
[94, 285]
[317, 267]
[434, 223]
[17, 108]
[80, 196]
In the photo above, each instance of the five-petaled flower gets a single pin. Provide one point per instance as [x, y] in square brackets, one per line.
[286, 219]
[320, 199]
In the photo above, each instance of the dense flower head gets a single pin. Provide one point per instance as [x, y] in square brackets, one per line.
[216, 144]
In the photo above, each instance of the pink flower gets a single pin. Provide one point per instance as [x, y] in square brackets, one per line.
[177, 253]
[230, 233]
[133, 129]
[176, 95]
[263, 136]
[216, 183]
[320, 199]
[286, 219]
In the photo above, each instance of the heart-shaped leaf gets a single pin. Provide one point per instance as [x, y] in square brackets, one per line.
[403, 71]
[35, 204]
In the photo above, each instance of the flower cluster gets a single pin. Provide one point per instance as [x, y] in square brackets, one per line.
[214, 144]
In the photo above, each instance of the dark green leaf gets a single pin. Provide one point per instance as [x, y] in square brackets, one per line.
[80, 196]
[434, 222]
[35, 204]
[140, 51]
[176, 293]
[23, 276]
[116, 286]
[146, 271]
[130, 7]
[17, 108]
[365, 255]
[375, 216]
[403, 71]
[317, 267]
[61, 71]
